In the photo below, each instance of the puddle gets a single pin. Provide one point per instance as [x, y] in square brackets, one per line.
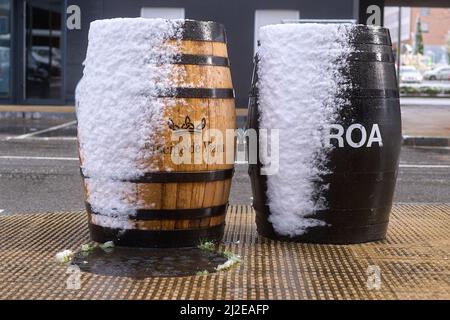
[141, 263]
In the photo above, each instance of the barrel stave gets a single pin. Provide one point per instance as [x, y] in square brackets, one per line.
[197, 100]
[360, 181]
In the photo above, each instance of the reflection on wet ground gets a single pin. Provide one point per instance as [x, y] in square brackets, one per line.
[20, 123]
[140, 263]
[15, 125]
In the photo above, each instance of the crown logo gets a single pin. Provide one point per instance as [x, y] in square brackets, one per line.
[187, 125]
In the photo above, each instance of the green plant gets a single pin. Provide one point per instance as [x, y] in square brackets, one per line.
[418, 47]
[448, 46]
[427, 90]
[64, 256]
[207, 245]
[88, 247]
[408, 90]
[202, 273]
[233, 260]
[107, 245]
[430, 90]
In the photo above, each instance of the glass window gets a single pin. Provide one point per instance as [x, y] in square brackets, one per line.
[43, 50]
[424, 11]
[5, 47]
[165, 13]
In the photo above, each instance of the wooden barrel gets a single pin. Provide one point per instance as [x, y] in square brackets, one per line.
[360, 184]
[180, 204]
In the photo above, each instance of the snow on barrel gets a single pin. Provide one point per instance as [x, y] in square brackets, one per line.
[147, 86]
[331, 91]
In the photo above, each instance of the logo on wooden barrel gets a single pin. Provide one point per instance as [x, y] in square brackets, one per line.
[187, 125]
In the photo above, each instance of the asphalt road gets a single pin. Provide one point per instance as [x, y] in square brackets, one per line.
[42, 175]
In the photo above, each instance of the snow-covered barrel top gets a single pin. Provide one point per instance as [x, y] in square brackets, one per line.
[331, 91]
[144, 81]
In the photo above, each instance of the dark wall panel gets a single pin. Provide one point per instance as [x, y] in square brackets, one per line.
[77, 43]
[237, 15]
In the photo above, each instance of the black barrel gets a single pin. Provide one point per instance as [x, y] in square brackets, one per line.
[361, 180]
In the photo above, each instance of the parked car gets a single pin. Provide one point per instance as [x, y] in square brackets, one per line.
[410, 74]
[440, 73]
[41, 54]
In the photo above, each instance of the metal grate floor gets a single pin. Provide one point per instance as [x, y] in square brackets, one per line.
[414, 262]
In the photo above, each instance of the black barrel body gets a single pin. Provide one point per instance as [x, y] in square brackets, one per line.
[361, 181]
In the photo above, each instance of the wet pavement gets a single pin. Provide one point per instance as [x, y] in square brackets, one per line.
[39, 175]
[429, 117]
[37, 125]
[39, 169]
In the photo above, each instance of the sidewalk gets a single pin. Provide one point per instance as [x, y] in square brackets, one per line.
[426, 121]
[416, 101]
[413, 260]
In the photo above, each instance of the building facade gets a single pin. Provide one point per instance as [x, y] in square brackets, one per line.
[43, 42]
[435, 26]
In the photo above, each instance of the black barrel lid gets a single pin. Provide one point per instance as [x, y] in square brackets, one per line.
[362, 34]
[204, 31]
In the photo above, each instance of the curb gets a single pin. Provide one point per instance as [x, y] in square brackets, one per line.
[417, 141]
[441, 96]
[38, 108]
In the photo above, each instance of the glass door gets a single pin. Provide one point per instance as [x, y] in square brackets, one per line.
[5, 49]
[43, 52]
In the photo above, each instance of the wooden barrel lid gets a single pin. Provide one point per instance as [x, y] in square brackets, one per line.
[203, 31]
